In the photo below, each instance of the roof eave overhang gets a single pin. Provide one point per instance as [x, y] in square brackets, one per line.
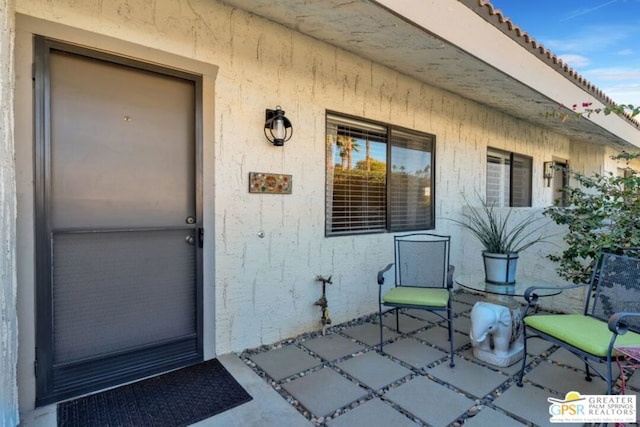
[450, 45]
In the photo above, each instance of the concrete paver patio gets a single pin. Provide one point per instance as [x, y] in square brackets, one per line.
[340, 379]
[411, 382]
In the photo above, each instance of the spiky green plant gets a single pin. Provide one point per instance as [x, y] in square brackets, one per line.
[496, 232]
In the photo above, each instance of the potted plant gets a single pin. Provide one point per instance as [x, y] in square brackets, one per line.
[502, 238]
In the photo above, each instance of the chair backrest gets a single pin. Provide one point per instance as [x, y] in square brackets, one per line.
[422, 260]
[615, 286]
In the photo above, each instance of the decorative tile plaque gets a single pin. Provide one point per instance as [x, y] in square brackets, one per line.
[269, 183]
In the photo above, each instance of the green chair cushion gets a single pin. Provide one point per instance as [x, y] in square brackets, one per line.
[428, 297]
[583, 332]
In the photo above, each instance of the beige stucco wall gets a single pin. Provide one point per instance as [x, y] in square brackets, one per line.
[8, 282]
[261, 290]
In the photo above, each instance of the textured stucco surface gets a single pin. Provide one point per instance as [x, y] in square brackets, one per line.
[263, 289]
[8, 284]
[444, 44]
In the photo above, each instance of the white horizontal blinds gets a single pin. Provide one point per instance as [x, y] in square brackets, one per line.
[498, 171]
[508, 178]
[356, 176]
[410, 181]
[521, 174]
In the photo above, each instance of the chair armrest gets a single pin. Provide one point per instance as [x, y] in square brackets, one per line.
[381, 274]
[450, 276]
[532, 298]
[616, 322]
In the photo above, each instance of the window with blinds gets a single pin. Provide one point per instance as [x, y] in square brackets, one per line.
[509, 179]
[379, 178]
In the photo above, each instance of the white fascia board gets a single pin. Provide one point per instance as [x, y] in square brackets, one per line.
[462, 27]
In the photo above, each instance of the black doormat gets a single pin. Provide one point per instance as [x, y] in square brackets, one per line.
[178, 398]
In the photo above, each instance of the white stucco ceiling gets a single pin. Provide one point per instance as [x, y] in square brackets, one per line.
[387, 37]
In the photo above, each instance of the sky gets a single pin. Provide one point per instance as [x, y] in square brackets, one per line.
[600, 39]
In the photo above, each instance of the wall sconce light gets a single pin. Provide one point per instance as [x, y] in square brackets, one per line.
[548, 172]
[277, 128]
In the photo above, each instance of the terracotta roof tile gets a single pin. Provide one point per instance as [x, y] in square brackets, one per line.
[485, 9]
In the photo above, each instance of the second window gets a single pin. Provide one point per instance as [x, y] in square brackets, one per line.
[508, 179]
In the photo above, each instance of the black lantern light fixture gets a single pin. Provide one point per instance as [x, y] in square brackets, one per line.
[277, 128]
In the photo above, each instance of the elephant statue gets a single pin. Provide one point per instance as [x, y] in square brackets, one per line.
[496, 334]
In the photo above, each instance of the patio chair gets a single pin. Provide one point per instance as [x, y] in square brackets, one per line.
[611, 316]
[423, 279]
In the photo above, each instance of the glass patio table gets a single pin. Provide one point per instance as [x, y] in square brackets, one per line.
[504, 294]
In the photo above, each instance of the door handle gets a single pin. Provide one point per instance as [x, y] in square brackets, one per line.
[200, 237]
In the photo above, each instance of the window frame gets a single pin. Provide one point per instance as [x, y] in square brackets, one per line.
[390, 129]
[513, 158]
[561, 171]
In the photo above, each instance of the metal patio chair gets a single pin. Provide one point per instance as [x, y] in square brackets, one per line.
[423, 279]
[611, 316]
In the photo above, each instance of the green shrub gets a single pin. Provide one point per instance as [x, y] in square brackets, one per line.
[603, 213]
